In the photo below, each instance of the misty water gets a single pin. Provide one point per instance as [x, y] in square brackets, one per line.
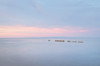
[41, 52]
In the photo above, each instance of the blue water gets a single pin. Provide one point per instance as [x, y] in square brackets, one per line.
[41, 52]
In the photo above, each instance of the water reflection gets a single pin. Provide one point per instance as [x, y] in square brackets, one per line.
[40, 52]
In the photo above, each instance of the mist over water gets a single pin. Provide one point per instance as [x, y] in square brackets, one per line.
[41, 52]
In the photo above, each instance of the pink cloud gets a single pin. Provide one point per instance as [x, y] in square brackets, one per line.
[22, 31]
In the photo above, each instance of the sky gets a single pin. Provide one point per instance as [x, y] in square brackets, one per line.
[49, 18]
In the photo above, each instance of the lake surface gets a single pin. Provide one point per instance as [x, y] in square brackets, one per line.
[41, 52]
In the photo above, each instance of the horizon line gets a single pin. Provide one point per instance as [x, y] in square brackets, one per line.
[42, 37]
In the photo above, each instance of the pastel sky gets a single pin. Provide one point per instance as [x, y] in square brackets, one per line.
[49, 18]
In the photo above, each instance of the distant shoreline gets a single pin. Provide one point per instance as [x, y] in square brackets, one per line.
[51, 38]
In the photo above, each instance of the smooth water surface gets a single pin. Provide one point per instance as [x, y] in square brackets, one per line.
[41, 52]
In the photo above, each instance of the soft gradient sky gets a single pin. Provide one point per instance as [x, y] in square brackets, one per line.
[49, 18]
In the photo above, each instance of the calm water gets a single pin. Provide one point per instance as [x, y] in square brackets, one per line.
[40, 52]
